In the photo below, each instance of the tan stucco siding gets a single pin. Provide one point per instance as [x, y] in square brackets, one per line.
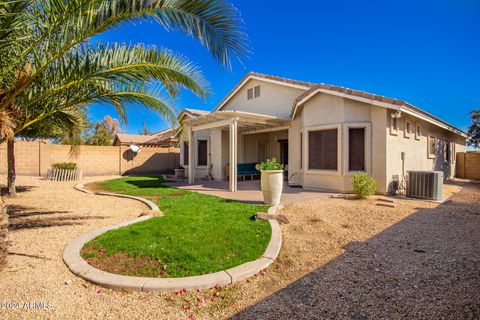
[275, 100]
[325, 111]
[416, 151]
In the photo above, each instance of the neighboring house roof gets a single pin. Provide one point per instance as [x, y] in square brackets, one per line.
[142, 139]
[125, 138]
[162, 136]
[311, 89]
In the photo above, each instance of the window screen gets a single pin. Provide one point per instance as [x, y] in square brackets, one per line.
[322, 149]
[356, 149]
[257, 91]
[185, 153]
[250, 94]
[202, 152]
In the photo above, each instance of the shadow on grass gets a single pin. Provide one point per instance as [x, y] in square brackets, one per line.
[423, 267]
[22, 217]
[153, 183]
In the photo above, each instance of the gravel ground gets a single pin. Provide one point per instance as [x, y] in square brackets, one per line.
[341, 258]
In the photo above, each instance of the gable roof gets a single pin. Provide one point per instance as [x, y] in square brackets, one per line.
[311, 89]
[192, 113]
[265, 77]
[378, 100]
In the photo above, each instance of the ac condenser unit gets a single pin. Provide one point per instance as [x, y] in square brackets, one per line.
[425, 185]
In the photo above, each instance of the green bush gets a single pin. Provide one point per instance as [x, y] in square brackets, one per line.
[269, 164]
[363, 185]
[65, 165]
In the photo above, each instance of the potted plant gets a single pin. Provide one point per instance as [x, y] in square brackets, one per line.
[179, 173]
[271, 180]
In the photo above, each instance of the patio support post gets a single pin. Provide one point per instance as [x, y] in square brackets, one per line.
[233, 156]
[191, 157]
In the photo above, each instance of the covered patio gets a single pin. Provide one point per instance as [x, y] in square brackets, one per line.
[238, 124]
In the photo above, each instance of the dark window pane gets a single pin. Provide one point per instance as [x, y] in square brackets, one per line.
[322, 150]
[185, 153]
[356, 149]
[257, 91]
[250, 94]
[202, 152]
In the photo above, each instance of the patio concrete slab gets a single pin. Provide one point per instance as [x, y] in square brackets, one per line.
[249, 191]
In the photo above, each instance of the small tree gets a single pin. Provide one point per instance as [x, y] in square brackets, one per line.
[363, 185]
[474, 129]
[104, 132]
[145, 131]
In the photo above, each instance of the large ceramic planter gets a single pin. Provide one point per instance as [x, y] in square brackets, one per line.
[272, 185]
[179, 173]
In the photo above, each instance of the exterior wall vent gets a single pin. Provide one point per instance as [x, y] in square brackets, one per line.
[425, 185]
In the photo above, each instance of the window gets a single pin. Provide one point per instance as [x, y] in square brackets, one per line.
[447, 152]
[250, 94]
[185, 153]
[323, 149]
[454, 153]
[356, 149]
[301, 150]
[431, 147]
[202, 149]
[408, 128]
[257, 92]
[253, 93]
[393, 124]
[418, 131]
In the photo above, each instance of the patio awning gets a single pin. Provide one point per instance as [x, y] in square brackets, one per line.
[237, 122]
[247, 122]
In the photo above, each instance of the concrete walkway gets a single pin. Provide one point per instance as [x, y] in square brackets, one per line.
[249, 191]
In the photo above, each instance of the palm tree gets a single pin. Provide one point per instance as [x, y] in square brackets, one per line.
[50, 66]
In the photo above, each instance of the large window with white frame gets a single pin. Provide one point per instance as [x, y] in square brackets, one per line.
[323, 149]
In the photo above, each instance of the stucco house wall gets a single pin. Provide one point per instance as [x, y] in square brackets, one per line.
[415, 148]
[275, 100]
[322, 110]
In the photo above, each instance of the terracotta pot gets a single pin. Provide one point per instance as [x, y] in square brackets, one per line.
[272, 186]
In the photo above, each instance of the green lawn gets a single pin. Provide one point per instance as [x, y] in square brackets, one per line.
[199, 234]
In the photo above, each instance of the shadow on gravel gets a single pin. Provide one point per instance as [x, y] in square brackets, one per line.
[426, 266]
[22, 217]
[20, 189]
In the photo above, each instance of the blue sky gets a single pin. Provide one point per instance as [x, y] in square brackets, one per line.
[424, 52]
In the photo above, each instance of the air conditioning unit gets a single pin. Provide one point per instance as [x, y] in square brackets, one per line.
[425, 185]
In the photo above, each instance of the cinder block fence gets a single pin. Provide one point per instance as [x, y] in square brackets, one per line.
[468, 165]
[35, 157]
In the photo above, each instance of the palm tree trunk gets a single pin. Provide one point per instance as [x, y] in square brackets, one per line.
[3, 235]
[11, 190]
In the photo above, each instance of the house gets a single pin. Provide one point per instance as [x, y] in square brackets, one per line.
[324, 134]
[164, 138]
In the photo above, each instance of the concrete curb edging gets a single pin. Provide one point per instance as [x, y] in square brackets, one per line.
[150, 204]
[78, 266]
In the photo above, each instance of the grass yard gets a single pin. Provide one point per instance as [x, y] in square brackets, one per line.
[199, 233]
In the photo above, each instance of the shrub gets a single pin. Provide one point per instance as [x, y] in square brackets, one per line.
[363, 185]
[65, 165]
[269, 164]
